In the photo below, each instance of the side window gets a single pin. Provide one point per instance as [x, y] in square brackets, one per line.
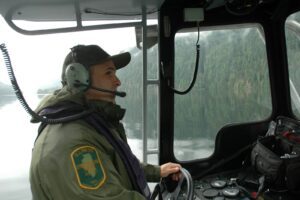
[292, 30]
[232, 86]
[37, 63]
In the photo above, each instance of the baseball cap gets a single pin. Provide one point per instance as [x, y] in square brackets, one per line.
[89, 55]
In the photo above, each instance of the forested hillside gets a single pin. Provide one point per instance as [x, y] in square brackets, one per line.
[5, 89]
[225, 58]
[232, 84]
[232, 87]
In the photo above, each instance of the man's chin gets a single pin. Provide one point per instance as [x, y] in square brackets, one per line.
[106, 97]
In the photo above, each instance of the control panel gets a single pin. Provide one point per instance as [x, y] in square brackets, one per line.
[235, 185]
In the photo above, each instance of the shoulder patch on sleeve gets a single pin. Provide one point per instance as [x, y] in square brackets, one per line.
[88, 167]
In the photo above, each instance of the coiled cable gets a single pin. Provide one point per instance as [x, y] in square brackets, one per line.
[176, 91]
[22, 100]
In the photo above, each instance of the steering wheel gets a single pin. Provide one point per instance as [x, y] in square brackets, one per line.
[172, 192]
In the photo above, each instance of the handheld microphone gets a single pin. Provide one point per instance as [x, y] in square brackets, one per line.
[117, 93]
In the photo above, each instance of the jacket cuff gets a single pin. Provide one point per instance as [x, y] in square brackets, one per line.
[152, 172]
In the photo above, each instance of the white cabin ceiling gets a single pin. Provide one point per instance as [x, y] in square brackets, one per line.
[64, 10]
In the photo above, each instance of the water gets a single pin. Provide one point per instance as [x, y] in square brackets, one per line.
[16, 140]
[17, 188]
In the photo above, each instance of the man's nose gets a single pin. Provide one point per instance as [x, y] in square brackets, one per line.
[117, 81]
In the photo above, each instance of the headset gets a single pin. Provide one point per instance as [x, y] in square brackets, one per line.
[78, 77]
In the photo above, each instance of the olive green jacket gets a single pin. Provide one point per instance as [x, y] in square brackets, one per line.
[71, 161]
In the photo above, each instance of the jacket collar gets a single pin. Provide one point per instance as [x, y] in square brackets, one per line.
[107, 110]
[110, 111]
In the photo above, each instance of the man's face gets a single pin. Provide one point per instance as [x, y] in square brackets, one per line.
[103, 76]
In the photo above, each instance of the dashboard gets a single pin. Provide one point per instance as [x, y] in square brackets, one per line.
[243, 184]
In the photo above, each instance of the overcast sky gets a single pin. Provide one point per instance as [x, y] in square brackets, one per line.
[37, 60]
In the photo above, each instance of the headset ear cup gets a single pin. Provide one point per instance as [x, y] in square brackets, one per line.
[77, 77]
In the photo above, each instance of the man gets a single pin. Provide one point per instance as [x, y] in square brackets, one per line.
[86, 155]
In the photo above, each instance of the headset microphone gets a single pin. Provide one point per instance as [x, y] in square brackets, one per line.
[117, 93]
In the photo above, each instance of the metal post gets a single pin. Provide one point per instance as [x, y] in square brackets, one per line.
[144, 49]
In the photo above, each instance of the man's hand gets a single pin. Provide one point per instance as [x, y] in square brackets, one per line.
[170, 168]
